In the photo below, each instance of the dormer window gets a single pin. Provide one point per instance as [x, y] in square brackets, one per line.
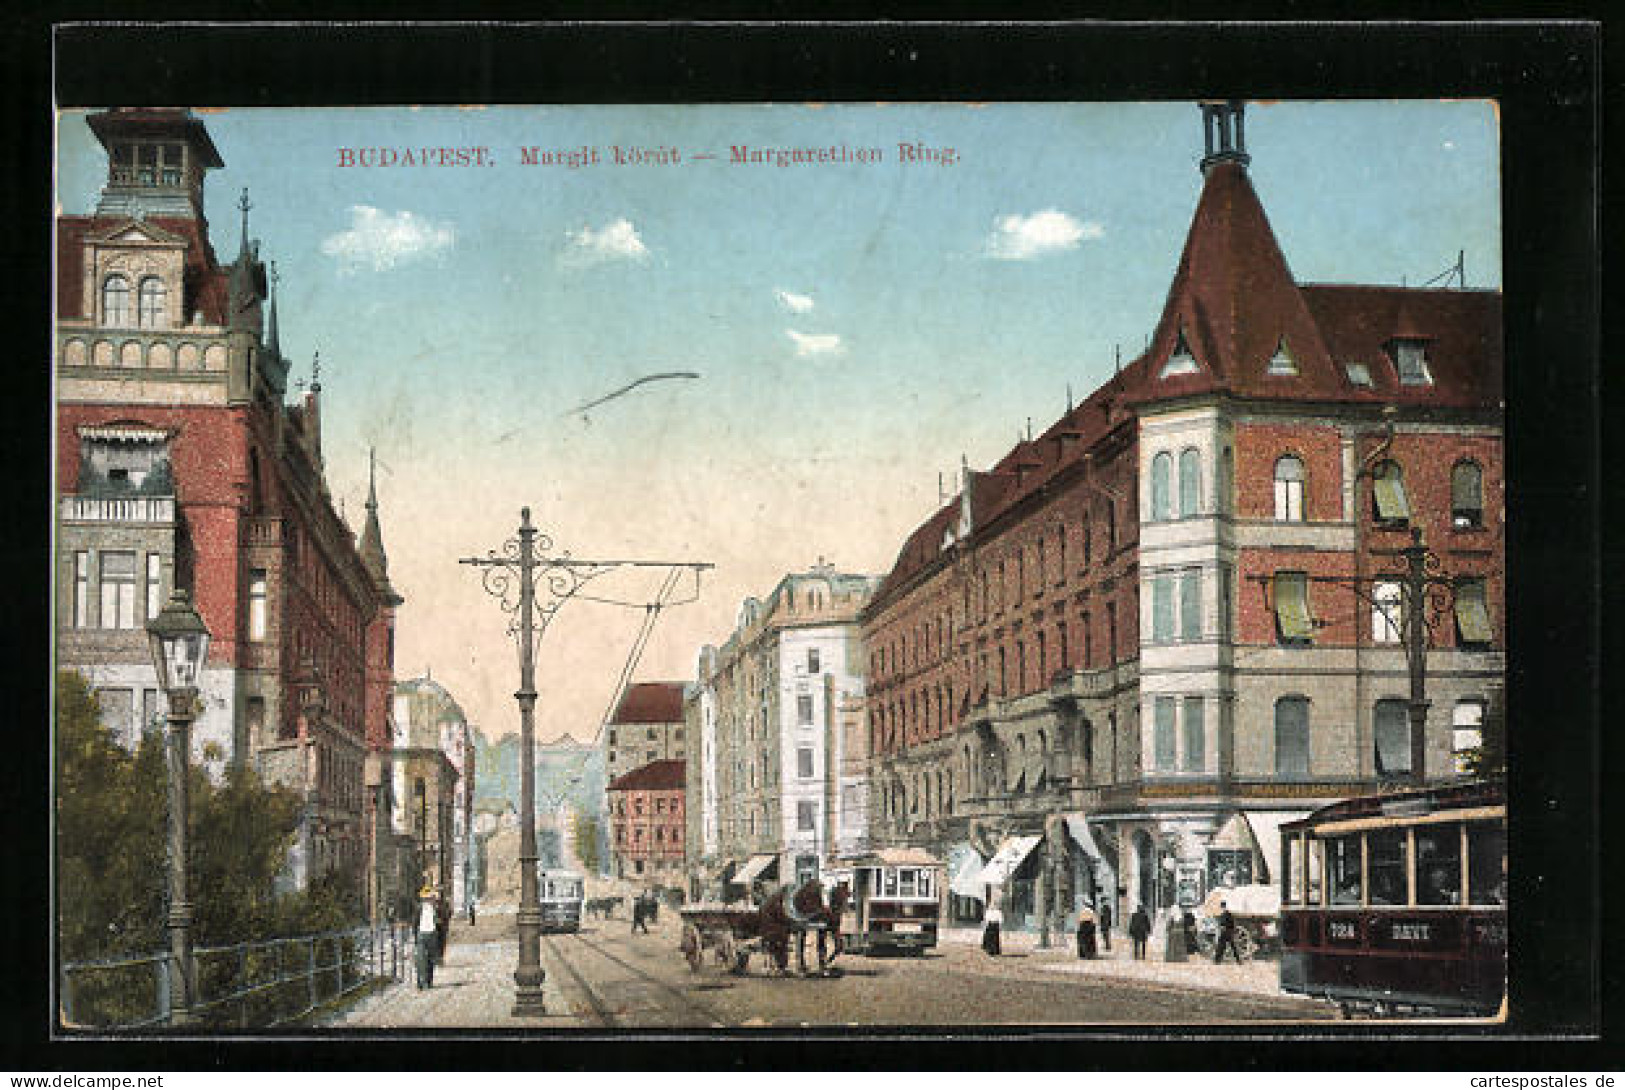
[1181, 362]
[1282, 362]
[115, 301]
[1359, 374]
[1411, 360]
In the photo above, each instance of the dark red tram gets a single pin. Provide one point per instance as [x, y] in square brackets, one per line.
[1397, 902]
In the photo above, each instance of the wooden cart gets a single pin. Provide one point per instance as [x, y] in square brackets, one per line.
[733, 932]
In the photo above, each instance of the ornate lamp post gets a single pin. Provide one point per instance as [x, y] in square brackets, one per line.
[526, 557]
[180, 645]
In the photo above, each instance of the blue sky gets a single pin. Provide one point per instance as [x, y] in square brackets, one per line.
[857, 327]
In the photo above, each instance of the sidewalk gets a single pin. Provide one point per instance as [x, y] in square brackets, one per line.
[473, 988]
[1260, 977]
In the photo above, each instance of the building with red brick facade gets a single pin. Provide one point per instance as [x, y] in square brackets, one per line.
[1119, 659]
[646, 823]
[179, 464]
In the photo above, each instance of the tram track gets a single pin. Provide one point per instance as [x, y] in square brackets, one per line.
[687, 1002]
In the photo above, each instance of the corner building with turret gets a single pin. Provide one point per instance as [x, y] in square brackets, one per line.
[1116, 661]
[180, 463]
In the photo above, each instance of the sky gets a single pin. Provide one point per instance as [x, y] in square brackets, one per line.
[857, 324]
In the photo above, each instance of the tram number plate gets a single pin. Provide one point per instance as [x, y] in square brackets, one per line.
[907, 929]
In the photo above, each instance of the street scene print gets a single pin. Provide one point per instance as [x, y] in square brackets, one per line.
[779, 565]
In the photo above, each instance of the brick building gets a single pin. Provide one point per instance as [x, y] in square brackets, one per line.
[1118, 660]
[179, 464]
[647, 725]
[646, 823]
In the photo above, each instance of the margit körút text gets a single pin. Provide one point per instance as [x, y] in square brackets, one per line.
[594, 155]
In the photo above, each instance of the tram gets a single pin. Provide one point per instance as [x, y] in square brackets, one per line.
[1397, 902]
[896, 901]
[561, 893]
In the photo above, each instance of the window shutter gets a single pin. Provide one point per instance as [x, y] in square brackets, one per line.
[1164, 740]
[1292, 606]
[1389, 488]
[1393, 737]
[1472, 613]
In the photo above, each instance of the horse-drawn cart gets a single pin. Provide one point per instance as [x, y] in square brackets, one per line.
[734, 932]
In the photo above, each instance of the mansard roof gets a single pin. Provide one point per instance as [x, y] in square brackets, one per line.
[650, 702]
[654, 776]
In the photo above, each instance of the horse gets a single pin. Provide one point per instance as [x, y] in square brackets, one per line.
[603, 907]
[797, 910]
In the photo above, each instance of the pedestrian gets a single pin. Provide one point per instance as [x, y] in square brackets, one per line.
[1105, 922]
[1188, 923]
[991, 922]
[1139, 929]
[442, 927]
[1086, 932]
[640, 914]
[1227, 935]
[424, 947]
[471, 912]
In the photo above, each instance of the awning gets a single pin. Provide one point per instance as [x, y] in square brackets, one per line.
[755, 868]
[965, 882]
[1011, 854]
[1266, 827]
[1105, 870]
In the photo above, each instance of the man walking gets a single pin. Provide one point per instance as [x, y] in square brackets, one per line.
[426, 938]
[1227, 935]
[1105, 915]
[1139, 929]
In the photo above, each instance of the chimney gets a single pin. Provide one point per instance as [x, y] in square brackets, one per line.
[1226, 138]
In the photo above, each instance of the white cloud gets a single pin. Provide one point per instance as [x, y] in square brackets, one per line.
[815, 344]
[615, 241]
[794, 303]
[1018, 238]
[383, 240]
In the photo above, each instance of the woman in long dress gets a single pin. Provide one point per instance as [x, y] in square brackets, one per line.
[990, 929]
[1086, 932]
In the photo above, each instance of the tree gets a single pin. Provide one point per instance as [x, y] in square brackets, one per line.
[586, 842]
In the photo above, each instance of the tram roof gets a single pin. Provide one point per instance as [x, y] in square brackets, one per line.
[1412, 802]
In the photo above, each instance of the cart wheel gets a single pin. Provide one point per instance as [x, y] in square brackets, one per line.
[691, 947]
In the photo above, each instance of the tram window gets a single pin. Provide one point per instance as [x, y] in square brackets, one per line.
[1317, 870]
[905, 883]
[925, 883]
[1486, 864]
[1344, 852]
[1387, 848]
[1438, 865]
[1293, 893]
[891, 883]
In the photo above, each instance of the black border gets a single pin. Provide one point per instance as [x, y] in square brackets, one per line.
[1547, 78]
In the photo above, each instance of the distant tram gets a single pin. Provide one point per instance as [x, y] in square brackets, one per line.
[1397, 902]
[896, 901]
[561, 893]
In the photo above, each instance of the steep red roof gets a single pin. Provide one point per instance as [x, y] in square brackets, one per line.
[654, 776]
[650, 702]
[1234, 302]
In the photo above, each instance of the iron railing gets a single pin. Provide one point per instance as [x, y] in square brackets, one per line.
[244, 985]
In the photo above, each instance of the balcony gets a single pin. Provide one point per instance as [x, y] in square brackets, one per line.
[259, 530]
[129, 510]
[193, 351]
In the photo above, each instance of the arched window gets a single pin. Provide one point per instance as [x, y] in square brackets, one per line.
[1161, 470]
[150, 302]
[1190, 483]
[1289, 489]
[1392, 731]
[1292, 738]
[116, 301]
[1467, 495]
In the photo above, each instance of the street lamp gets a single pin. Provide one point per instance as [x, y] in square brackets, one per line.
[180, 645]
